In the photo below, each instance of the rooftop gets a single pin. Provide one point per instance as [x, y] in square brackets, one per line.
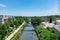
[57, 27]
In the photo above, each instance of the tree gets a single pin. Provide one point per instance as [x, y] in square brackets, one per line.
[36, 20]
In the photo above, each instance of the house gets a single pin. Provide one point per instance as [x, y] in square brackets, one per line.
[44, 19]
[47, 24]
[57, 22]
[57, 29]
[5, 18]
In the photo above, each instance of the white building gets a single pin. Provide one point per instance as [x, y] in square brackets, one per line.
[47, 24]
[57, 22]
[1, 21]
[5, 18]
[57, 29]
[57, 26]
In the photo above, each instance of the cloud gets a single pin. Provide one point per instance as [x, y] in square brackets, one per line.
[52, 11]
[2, 5]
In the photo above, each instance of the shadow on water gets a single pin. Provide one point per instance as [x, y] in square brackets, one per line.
[28, 33]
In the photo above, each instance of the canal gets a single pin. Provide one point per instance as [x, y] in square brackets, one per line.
[28, 33]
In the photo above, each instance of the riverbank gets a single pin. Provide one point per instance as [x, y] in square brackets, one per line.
[12, 35]
[18, 34]
[45, 34]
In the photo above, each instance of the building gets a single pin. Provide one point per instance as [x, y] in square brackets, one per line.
[57, 22]
[56, 27]
[47, 24]
[5, 18]
[44, 19]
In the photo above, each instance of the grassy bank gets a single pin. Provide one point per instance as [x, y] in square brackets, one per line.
[18, 34]
[44, 34]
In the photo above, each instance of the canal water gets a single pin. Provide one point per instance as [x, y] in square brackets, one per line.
[28, 33]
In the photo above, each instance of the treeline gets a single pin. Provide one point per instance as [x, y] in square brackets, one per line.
[8, 27]
[38, 19]
[25, 18]
[51, 17]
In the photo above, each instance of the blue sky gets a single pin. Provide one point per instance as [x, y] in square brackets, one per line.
[29, 7]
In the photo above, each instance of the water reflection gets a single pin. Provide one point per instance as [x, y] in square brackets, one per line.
[29, 28]
[28, 34]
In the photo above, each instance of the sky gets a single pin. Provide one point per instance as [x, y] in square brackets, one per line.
[29, 7]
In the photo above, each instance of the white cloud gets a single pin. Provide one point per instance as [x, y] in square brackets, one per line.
[2, 5]
[52, 11]
[45, 12]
